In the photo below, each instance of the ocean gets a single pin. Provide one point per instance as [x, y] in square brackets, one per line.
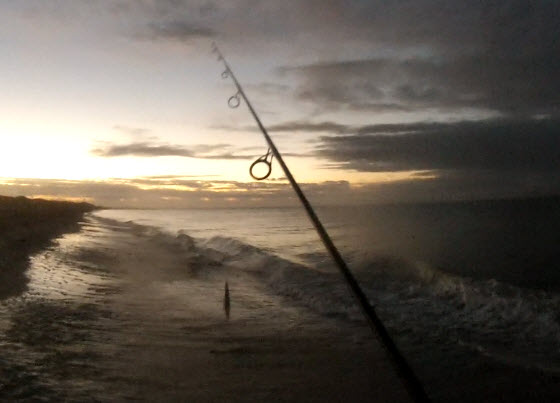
[470, 291]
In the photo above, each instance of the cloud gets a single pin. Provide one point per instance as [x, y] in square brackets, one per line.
[142, 149]
[206, 148]
[502, 57]
[498, 57]
[268, 88]
[133, 131]
[151, 192]
[172, 177]
[463, 159]
[478, 81]
[482, 159]
[503, 145]
[292, 127]
[180, 31]
[398, 56]
[148, 149]
[308, 127]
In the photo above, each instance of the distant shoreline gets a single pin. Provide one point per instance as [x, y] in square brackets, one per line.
[27, 226]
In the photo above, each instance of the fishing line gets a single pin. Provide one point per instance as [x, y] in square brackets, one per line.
[403, 369]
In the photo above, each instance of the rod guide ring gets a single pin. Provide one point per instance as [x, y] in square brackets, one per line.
[234, 101]
[261, 160]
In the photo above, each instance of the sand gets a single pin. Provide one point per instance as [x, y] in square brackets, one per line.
[26, 226]
[116, 313]
[111, 314]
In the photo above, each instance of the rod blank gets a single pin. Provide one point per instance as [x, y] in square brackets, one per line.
[403, 369]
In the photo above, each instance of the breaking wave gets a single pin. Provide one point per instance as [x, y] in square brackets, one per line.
[487, 316]
[421, 304]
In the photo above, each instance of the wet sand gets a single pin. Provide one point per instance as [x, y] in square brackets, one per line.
[26, 226]
[113, 314]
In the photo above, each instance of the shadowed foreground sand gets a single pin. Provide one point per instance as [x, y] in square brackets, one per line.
[26, 226]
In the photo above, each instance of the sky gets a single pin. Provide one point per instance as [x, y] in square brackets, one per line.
[121, 102]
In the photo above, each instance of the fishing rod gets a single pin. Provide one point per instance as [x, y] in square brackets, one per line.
[403, 369]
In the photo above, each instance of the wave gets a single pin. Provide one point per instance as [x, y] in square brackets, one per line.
[421, 304]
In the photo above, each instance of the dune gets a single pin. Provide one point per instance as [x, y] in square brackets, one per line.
[27, 226]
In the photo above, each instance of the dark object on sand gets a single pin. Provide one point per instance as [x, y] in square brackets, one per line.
[227, 305]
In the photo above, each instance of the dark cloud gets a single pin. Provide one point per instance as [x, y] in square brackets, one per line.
[301, 126]
[201, 151]
[146, 149]
[180, 31]
[501, 56]
[268, 88]
[495, 145]
[512, 86]
[294, 126]
[492, 158]
[143, 149]
[399, 55]
[461, 160]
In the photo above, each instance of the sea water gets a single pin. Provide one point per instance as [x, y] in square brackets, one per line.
[470, 291]
[477, 277]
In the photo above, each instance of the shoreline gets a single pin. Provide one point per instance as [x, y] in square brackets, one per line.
[125, 315]
[26, 227]
[128, 314]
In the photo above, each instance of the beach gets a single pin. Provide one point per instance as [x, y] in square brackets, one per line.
[26, 226]
[124, 309]
[291, 201]
[141, 318]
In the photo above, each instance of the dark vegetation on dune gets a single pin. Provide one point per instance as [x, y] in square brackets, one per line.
[26, 226]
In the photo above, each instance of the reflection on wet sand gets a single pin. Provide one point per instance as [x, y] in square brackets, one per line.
[117, 312]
